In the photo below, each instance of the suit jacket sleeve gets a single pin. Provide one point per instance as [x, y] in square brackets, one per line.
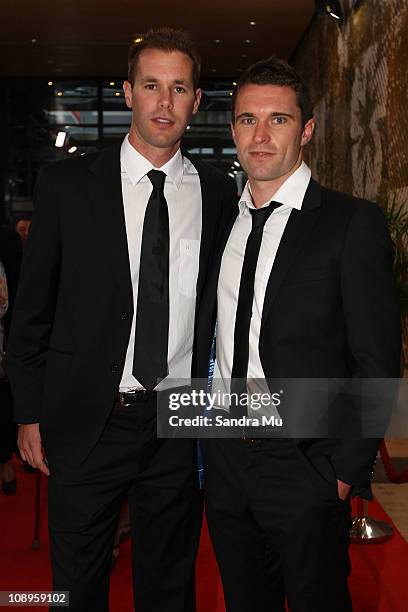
[35, 305]
[373, 326]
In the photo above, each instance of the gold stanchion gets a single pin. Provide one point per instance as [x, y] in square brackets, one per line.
[367, 530]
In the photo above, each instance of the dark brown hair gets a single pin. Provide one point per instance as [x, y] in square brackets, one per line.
[274, 71]
[165, 39]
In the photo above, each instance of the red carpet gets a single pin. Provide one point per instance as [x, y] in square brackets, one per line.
[379, 580]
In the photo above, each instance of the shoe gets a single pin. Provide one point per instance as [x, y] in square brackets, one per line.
[9, 487]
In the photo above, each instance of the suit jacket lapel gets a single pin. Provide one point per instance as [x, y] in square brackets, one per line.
[105, 194]
[297, 231]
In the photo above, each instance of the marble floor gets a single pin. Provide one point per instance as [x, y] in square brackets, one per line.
[393, 497]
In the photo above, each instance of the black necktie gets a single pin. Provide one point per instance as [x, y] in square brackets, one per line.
[152, 313]
[245, 302]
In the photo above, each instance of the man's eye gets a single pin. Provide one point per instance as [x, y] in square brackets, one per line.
[279, 120]
[179, 89]
[151, 86]
[248, 121]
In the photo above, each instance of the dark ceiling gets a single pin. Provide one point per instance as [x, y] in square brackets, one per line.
[60, 38]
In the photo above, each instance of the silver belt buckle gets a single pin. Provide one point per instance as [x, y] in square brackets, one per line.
[122, 399]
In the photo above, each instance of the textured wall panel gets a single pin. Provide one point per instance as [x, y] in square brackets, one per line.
[358, 74]
[357, 71]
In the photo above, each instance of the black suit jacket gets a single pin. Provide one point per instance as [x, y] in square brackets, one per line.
[330, 308]
[74, 306]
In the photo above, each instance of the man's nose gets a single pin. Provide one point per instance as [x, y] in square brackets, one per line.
[261, 133]
[166, 100]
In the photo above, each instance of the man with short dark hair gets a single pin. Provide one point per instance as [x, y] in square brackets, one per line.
[113, 272]
[304, 290]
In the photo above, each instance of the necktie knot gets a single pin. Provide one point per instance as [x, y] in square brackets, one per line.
[261, 215]
[157, 179]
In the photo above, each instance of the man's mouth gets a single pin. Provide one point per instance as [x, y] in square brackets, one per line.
[162, 121]
[260, 154]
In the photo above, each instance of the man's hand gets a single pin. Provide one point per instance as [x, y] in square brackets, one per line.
[343, 489]
[29, 443]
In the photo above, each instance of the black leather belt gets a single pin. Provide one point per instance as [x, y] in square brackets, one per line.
[128, 398]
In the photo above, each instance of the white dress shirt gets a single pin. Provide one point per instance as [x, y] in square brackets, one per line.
[182, 191]
[290, 195]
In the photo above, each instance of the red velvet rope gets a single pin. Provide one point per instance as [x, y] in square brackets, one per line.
[393, 476]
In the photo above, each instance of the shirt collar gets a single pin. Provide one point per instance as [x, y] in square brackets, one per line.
[290, 193]
[136, 166]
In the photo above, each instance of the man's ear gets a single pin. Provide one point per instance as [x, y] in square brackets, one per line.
[197, 100]
[308, 132]
[127, 90]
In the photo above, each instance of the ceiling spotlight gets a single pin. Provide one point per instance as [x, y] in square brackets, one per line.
[138, 40]
[234, 83]
[33, 40]
[333, 8]
[112, 83]
[50, 83]
[237, 164]
[72, 149]
[117, 93]
[252, 23]
[60, 140]
[59, 93]
[189, 127]
[231, 175]
[248, 41]
[217, 40]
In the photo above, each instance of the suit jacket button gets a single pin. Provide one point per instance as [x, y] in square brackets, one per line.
[115, 368]
[124, 316]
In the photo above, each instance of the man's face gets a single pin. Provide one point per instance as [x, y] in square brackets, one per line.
[162, 100]
[268, 131]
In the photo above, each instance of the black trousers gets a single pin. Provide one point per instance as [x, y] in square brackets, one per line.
[160, 479]
[278, 527]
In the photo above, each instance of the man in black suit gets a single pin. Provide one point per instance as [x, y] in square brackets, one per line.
[112, 276]
[304, 289]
